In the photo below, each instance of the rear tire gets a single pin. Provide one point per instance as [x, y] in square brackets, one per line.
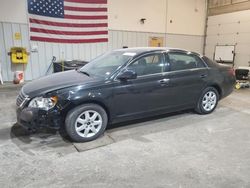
[207, 101]
[86, 122]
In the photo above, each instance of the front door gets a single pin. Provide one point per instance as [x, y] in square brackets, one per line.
[146, 92]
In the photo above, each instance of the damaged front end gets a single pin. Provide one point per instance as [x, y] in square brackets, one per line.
[38, 112]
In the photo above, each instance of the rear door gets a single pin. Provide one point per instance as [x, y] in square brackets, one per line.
[188, 75]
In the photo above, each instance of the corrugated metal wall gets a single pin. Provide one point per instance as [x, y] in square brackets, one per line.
[230, 29]
[40, 61]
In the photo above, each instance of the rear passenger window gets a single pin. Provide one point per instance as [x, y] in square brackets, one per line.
[182, 61]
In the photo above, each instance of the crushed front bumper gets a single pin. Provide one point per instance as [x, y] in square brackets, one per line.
[33, 118]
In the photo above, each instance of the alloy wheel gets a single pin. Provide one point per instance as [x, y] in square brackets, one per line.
[88, 123]
[209, 101]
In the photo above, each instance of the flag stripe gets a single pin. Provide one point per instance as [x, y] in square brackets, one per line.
[46, 39]
[83, 29]
[38, 30]
[84, 5]
[73, 37]
[68, 20]
[85, 17]
[80, 9]
[60, 24]
[87, 1]
[84, 13]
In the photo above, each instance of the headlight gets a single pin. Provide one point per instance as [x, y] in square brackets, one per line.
[43, 103]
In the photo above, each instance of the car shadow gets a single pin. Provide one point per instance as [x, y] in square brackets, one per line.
[25, 136]
[44, 139]
[137, 122]
[135, 129]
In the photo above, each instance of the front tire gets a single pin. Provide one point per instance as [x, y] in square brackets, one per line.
[207, 101]
[86, 122]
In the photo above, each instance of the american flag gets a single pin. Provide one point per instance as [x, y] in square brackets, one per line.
[68, 21]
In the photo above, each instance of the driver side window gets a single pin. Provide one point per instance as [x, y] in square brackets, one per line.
[147, 65]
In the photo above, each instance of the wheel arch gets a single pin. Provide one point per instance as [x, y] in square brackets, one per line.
[218, 88]
[74, 105]
[206, 89]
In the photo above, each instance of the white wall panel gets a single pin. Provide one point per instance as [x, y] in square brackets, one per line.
[15, 28]
[8, 43]
[124, 38]
[93, 50]
[114, 40]
[243, 38]
[75, 51]
[212, 39]
[186, 17]
[55, 51]
[230, 17]
[48, 49]
[134, 39]
[242, 59]
[34, 61]
[227, 28]
[243, 49]
[231, 28]
[69, 51]
[141, 39]
[210, 49]
[42, 59]
[25, 43]
[3, 56]
[13, 11]
[227, 39]
[212, 30]
[119, 38]
[188, 42]
[244, 27]
[87, 52]
[126, 15]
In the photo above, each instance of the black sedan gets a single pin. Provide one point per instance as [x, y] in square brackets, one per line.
[123, 85]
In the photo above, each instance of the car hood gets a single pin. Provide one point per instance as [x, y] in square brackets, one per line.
[56, 81]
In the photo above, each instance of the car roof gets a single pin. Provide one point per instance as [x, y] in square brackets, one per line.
[143, 50]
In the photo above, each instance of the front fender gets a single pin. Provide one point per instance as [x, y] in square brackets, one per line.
[73, 97]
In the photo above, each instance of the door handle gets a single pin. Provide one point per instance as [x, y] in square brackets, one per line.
[203, 75]
[164, 81]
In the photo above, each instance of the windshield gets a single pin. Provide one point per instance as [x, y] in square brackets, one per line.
[107, 63]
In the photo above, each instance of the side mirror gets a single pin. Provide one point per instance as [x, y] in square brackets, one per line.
[127, 75]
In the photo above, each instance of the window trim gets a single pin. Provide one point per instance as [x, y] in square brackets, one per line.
[164, 73]
[141, 56]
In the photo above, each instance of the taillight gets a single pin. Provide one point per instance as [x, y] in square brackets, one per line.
[231, 72]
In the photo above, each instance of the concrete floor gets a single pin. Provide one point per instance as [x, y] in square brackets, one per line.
[177, 150]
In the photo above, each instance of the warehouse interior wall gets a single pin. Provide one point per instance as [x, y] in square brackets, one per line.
[179, 22]
[126, 14]
[230, 29]
[13, 11]
[186, 17]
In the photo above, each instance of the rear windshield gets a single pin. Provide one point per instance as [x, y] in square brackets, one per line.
[210, 62]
